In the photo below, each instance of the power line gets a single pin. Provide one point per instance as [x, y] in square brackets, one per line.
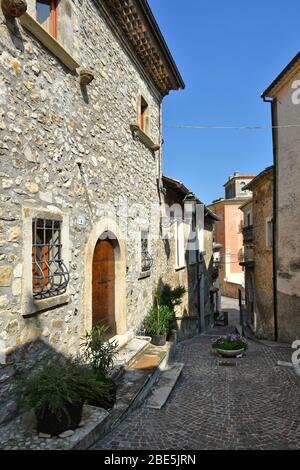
[249, 127]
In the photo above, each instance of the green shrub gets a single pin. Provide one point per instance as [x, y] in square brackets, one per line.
[157, 322]
[168, 296]
[57, 385]
[98, 351]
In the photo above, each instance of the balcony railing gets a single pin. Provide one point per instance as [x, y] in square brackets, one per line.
[248, 234]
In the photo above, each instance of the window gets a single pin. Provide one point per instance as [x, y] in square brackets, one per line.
[146, 259]
[248, 219]
[179, 241]
[143, 112]
[50, 276]
[46, 15]
[269, 233]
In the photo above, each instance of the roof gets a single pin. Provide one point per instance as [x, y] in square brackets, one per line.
[234, 201]
[138, 26]
[243, 206]
[180, 188]
[268, 172]
[288, 71]
[239, 177]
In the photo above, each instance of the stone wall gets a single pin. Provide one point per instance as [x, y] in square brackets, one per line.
[68, 150]
[263, 269]
[288, 196]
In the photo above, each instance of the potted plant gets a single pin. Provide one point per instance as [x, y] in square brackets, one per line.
[100, 353]
[157, 324]
[230, 345]
[57, 393]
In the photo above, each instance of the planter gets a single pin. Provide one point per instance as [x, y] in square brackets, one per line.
[159, 340]
[229, 353]
[70, 419]
[14, 8]
[86, 77]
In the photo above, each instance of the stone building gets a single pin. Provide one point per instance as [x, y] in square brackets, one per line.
[284, 95]
[190, 259]
[228, 233]
[80, 171]
[258, 259]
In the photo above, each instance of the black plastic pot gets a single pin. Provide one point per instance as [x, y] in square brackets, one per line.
[70, 418]
[159, 340]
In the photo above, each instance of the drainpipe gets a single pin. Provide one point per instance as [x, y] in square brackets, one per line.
[275, 205]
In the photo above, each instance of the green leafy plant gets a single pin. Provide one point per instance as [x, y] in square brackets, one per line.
[56, 385]
[168, 296]
[98, 351]
[157, 322]
[165, 295]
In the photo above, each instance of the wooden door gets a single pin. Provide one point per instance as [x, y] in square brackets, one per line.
[104, 285]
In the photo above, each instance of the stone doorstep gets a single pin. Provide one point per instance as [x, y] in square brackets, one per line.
[164, 386]
[127, 354]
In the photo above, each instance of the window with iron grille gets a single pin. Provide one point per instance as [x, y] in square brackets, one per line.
[50, 276]
[147, 260]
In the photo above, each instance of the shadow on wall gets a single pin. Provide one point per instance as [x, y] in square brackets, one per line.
[22, 359]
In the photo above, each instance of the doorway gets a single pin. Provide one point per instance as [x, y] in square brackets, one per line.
[103, 286]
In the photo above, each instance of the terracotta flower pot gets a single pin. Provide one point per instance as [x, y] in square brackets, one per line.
[14, 8]
[86, 76]
[70, 419]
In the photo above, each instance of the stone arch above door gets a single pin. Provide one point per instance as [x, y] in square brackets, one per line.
[110, 227]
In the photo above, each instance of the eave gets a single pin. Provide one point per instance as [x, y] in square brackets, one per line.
[140, 30]
[284, 77]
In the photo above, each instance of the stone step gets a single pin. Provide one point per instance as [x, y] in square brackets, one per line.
[164, 386]
[127, 354]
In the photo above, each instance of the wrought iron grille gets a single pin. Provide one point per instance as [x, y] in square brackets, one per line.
[50, 276]
[147, 260]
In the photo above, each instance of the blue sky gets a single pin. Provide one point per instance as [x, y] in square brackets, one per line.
[228, 52]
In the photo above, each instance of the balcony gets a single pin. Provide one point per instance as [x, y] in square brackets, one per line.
[248, 234]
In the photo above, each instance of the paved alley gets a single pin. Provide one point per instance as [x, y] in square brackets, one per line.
[254, 405]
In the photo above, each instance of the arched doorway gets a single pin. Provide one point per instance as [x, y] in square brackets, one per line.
[103, 285]
[104, 230]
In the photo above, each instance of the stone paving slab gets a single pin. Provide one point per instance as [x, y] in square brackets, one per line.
[254, 405]
[164, 386]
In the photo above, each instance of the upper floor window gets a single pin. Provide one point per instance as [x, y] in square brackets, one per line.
[269, 233]
[143, 116]
[50, 276]
[46, 15]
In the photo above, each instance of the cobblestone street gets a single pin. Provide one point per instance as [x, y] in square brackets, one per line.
[254, 405]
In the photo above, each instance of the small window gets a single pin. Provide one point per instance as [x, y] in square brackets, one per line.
[248, 219]
[144, 119]
[46, 15]
[50, 276]
[146, 259]
[269, 233]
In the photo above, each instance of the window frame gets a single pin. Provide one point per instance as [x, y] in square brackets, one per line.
[30, 305]
[53, 16]
[47, 262]
[269, 234]
[145, 255]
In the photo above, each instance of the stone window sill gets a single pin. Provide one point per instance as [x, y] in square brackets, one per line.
[47, 304]
[48, 41]
[144, 275]
[144, 138]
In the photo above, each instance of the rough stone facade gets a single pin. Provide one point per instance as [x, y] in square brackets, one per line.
[67, 152]
[284, 92]
[258, 256]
